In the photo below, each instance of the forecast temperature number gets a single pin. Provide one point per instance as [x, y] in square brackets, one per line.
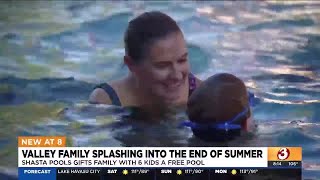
[186, 171]
[248, 171]
[193, 171]
[139, 171]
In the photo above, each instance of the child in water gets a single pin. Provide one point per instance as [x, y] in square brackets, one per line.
[219, 109]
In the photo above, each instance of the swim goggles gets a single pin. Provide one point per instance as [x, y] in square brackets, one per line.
[227, 125]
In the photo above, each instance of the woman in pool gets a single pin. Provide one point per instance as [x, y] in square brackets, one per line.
[157, 58]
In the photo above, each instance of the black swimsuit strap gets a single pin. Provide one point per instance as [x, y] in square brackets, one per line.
[111, 92]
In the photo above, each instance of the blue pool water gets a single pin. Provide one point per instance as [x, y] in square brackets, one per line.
[53, 53]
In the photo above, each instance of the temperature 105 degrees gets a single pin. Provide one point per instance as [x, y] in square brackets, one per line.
[293, 163]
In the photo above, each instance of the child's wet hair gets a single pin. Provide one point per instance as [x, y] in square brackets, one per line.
[218, 99]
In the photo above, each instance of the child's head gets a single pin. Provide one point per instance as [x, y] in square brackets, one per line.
[220, 99]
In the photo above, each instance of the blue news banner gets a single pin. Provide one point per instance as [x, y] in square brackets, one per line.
[36, 173]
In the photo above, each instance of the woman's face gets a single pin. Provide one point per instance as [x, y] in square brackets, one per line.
[165, 69]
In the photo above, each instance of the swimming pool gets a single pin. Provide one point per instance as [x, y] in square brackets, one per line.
[53, 53]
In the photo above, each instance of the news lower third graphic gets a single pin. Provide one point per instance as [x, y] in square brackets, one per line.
[156, 173]
[45, 157]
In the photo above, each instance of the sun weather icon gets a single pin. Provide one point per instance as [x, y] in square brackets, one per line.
[125, 172]
[179, 172]
[234, 172]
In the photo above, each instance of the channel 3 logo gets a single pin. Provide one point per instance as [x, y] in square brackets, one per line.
[283, 154]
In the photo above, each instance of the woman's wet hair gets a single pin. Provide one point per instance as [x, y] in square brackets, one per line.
[144, 30]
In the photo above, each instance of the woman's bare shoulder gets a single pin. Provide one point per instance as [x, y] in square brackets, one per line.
[99, 96]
